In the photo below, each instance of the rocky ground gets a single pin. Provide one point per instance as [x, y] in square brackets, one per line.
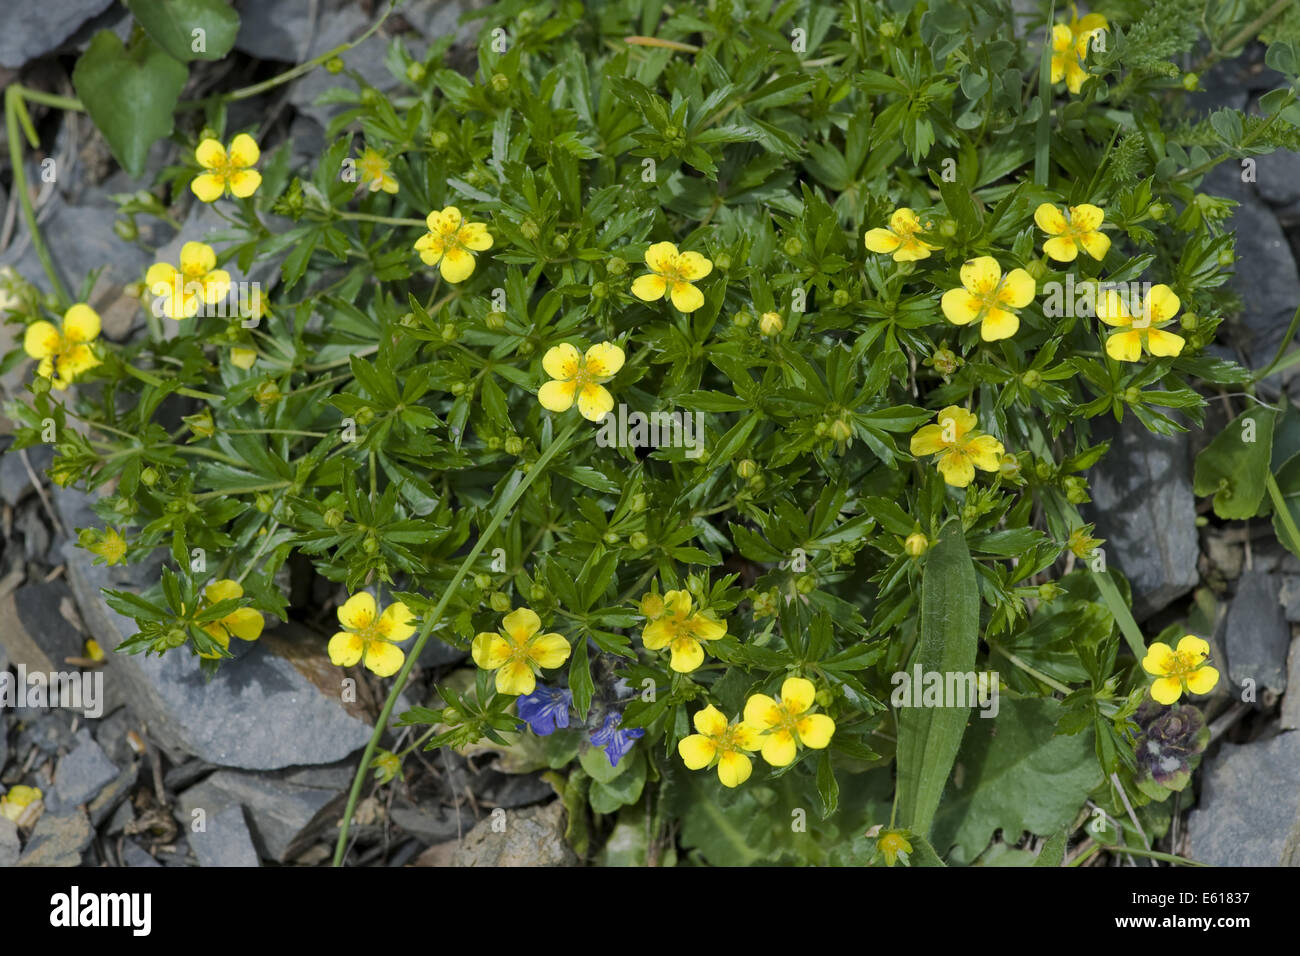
[252, 768]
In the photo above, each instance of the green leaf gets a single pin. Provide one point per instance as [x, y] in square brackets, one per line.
[179, 26]
[129, 94]
[1017, 776]
[929, 737]
[1235, 465]
[1053, 851]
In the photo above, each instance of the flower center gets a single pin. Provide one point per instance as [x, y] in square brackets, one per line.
[1182, 664]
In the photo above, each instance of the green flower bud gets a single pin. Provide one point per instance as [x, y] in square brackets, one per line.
[333, 517]
[149, 477]
[499, 602]
[538, 592]
[415, 72]
[616, 266]
[449, 332]
[334, 65]
[458, 388]
[267, 393]
[126, 229]
[747, 468]
[560, 243]
[638, 540]
[841, 298]
[916, 544]
[496, 321]
[1226, 257]
[1132, 395]
[1191, 82]
[371, 544]
[529, 230]
[611, 538]
[599, 290]
[770, 324]
[1049, 591]
[1190, 321]
[439, 140]
[1032, 379]
[638, 502]
[948, 228]
[722, 261]
[1037, 269]
[493, 443]
[263, 502]
[806, 584]
[500, 82]
[741, 320]
[793, 246]
[513, 445]
[482, 581]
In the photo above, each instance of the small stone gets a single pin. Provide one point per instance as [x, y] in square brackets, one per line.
[135, 855]
[9, 850]
[433, 826]
[81, 774]
[533, 836]
[28, 31]
[225, 841]
[15, 482]
[1257, 636]
[1277, 177]
[1290, 718]
[58, 840]
[1241, 822]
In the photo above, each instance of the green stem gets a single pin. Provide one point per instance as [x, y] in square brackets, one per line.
[158, 382]
[1031, 671]
[1283, 512]
[13, 103]
[1135, 851]
[386, 220]
[503, 508]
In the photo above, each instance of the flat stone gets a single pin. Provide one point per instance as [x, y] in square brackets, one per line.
[1277, 177]
[1144, 508]
[1257, 636]
[278, 705]
[9, 847]
[1290, 717]
[287, 810]
[40, 633]
[1250, 795]
[533, 836]
[58, 839]
[225, 841]
[15, 482]
[135, 855]
[28, 31]
[82, 774]
[433, 826]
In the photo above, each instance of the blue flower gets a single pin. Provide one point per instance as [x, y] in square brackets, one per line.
[545, 710]
[613, 739]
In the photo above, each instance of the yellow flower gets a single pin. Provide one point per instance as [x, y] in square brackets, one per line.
[770, 324]
[370, 637]
[244, 623]
[961, 448]
[452, 241]
[14, 804]
[374, 173]
[900, 238]
[989, 297]
[893, 843]
[111, 547]
[786, 722]
[1070, 48]
[64, 353]
[1179, 670]
[720, 743]
[1081, 228]
[518, 652]
[93, 651]
[1141, 333]
[580, 376]
[197, 282]
[681, 630]
[672, 272]
[227, 169]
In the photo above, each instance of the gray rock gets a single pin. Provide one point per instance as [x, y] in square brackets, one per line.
[1257, 635]
[1249, 798]
[225, 841]
[1290, 717]
[433, 826]
[40, 632]
[36, 537]
[1277, 177]
[533, 836]
[15, 482]
[135, 855]
[82, 774]
[30, 30]
[287, 810]
[278, 705]
[58, 839]
[113, 796]
[1144, 508]
[9, 849]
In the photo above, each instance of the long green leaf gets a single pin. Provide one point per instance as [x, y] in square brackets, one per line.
[929, 737]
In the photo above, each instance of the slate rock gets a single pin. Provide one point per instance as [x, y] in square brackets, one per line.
[276, 706]
[1277, 177]
[1257, 636]
[58, 839]
[1144, 508]
[39, 632]
[433, 825]
[533, 836]
[287, 810]
[225, 841]
[30, 30]
[15, 482]
[1247, 814]
[135, 855]
[9, 848]
[1290, 716]
[81, 774]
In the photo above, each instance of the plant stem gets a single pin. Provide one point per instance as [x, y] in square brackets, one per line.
[13, 103]
[506, 504]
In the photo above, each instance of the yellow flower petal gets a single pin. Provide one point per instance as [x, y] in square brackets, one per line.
[517, 678]
[697, 751]
[661, 257]
[396, 623]
[1096, 244]
[549, 650]
[243, 358]
[557, 396]
[686, 297]
[595, 402]
[1202, 680]
[687, 654]
[473, 235]
[208, 186]
[1159, 659]
[1086, 217]
[960, 307]
[1112, 310]
[210, 154]
[1161, 304]
[384, 659]
[798, 694]
[999, 324]
[604, 360]
[678, 602]
[815, 731]
[649, 287]
[1061, 249]
[245, 623]
[747, 736]
[692, 266]
[962, 421]
[985, 452]
[1195, 647]
[762, 712]
[1050, 219]
[706, 628]
[223, 590]
[345, 649]
[490, 650]
[561, 361]
[1164, 343]
[197, 259]
[358, 612]
[928, 440]
[41, 340]
[457, 265]
[881, 240]
[779, 748]
[1167, 690]
[657, 634]
[710, 721]
[521, 624]
[244, 151]
[245, 182]
[734, 769]
[981, 275]
[215, 286]
[1017, 289]
[1124, 346]
[956, 469]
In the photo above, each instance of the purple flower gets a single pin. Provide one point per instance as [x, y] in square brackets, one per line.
[545, 710]
[613, 739]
